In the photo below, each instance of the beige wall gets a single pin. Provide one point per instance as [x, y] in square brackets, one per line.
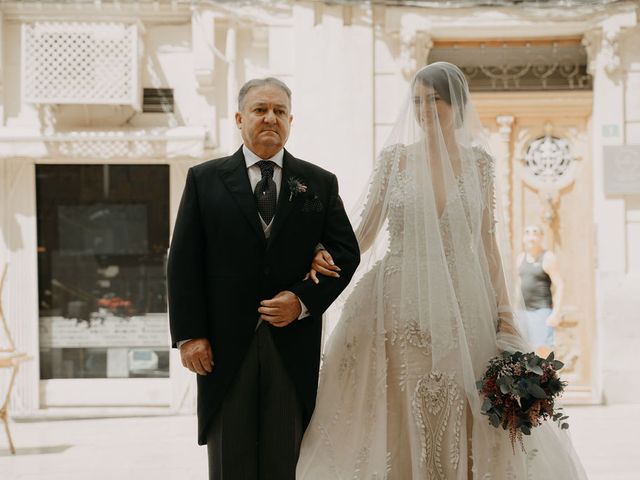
[618, 226]
[348, 68]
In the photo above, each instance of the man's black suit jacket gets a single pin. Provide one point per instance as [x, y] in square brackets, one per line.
[221, 266]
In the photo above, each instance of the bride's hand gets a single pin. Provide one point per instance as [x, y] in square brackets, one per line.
[322, 263]
[505, 325]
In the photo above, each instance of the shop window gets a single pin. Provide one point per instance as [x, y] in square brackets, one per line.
[103, 235]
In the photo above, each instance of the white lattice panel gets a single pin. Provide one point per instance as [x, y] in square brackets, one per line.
[80, 63]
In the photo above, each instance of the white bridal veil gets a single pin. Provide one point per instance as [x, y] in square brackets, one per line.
[397, 396]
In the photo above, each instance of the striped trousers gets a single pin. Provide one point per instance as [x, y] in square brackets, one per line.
[257, 432]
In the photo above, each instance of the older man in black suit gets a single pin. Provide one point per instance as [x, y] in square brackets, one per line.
[240, 313]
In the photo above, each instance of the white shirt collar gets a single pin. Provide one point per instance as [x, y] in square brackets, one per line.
[251, 158]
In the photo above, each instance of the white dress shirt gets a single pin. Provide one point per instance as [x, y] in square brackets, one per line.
[255, 175]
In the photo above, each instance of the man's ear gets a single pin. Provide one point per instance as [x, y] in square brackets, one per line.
[290, 118]
[238, 119]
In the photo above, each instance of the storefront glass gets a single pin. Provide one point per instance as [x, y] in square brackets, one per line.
[103, 235]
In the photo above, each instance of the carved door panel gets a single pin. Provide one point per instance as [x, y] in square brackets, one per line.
[544, 170]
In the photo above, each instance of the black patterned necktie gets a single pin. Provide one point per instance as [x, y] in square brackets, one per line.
[265, 191]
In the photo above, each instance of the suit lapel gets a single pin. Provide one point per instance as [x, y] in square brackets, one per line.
[235, 177]
[291, 169]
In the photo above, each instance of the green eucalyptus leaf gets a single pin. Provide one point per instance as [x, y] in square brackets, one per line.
[532, 367]
[505, 383]
[495, 420]
[537, 391]
[523, 387]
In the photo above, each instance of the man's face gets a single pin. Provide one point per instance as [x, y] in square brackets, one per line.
[265, 120]
[532, 237]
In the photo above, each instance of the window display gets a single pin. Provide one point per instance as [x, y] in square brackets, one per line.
[103, 235]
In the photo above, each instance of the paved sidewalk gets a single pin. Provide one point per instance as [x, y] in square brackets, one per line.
[163, 448]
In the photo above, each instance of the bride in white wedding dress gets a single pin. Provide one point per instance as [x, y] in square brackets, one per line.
[397, 396]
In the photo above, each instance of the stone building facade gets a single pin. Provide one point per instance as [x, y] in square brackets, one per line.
[104, 105]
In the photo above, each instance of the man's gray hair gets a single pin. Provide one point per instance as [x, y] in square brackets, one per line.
[261, 82]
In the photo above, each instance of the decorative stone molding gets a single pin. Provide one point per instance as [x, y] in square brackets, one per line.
[505, 123]
[549, 162]
[549, 167]
[610, 51]
[414, 51]
[603, 45]
[591, 41]
[171, 11]
[48, 119]
[109, 145]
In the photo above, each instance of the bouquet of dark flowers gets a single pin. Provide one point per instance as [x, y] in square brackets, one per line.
[519, 391]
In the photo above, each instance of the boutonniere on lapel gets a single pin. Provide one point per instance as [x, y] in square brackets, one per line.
[296, 187]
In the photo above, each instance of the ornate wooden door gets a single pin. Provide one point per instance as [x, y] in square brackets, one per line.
[541, 141]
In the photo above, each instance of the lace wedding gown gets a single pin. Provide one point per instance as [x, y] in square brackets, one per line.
[397, 397]
[384, 409]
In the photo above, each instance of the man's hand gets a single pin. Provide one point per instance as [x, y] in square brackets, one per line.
[281, 310]
[197, 356]
[322, 263]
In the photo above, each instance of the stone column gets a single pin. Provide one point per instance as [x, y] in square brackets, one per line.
[1, 72]
[21, 288]
[204, 50]
[617, 302]
[233, 136]
[503, 169]
[414, 51]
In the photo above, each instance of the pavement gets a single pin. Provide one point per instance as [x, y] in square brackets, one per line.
[164, 447]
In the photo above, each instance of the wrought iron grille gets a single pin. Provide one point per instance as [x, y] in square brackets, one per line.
[522, 65]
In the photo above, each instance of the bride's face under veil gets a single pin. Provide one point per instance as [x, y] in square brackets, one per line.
[431, 110]
[439, 104]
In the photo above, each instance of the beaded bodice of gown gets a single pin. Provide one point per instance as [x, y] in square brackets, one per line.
[398, 198]
[403, 195]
